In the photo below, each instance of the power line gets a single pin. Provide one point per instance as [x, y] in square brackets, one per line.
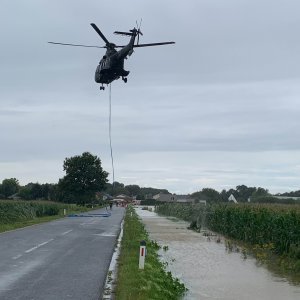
[110, 144]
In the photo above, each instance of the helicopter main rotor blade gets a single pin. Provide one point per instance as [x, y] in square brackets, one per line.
[76, 45]
[100, 33]
[153, 44]
[148, 45]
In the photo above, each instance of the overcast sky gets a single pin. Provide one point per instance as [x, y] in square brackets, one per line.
[218, 109]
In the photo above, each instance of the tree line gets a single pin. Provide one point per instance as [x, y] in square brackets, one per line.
[241, 193]
[85, 179]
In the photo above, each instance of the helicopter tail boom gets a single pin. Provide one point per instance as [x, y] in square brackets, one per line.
[124, 33]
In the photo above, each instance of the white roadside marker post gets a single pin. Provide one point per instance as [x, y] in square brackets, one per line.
[65, 211]
[142, 254]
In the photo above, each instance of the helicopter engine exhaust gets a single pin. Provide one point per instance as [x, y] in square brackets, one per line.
[130, 52]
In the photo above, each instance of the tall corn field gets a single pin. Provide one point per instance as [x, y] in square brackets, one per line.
[17, 211]
[276, 225]
[259, 224]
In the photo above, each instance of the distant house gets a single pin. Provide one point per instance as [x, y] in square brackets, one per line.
[232, 198]
[136, 202]
[184, 199]
[148, 196]
[103, 196]
[202, 202]
[14, 197]
[123, 199]
[162, 197]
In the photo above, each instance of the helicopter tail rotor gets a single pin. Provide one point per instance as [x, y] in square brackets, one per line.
[136, 32]
[139, 30]
[133, 32]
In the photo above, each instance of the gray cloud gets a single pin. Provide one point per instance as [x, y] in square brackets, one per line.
[219, 108]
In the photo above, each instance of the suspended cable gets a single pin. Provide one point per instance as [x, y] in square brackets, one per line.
[110, 144]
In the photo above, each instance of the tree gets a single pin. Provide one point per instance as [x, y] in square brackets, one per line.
[9, 187]
[211, 194]
[25, 192]
[290, 194]
[133, 189]
[1, 195]
[84, 177]
[223, 195]
[199, 196]
[260, 192]
[244, 192]
[116, 189]
[53, 193]
[33, 191]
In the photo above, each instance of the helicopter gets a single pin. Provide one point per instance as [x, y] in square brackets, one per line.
[111, 66]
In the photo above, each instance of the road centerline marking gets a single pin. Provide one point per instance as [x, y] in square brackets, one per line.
[66, 232]
[38, 246]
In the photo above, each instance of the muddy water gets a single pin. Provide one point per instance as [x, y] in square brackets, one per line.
[208, 270]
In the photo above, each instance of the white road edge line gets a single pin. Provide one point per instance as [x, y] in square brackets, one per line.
[64, 233]
[38, 246]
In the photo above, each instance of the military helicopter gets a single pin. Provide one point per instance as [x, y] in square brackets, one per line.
[111, 66]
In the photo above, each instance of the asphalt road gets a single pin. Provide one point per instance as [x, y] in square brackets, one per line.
[64, 259]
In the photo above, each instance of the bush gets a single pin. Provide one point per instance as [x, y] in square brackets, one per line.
[149, 202]
[273, 200]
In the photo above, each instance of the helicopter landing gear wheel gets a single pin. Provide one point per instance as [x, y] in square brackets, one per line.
[102, 88]
[124, 79]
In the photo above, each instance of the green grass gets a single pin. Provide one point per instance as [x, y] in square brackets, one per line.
[21, 224]
[154, 282]
[18, 214]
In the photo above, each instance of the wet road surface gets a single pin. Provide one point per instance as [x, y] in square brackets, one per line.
[64, 259]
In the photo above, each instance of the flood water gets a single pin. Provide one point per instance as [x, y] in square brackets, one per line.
[208, 270]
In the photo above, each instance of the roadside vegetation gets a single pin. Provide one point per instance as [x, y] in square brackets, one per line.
[17, 214]
[268, 229]
[154, 282]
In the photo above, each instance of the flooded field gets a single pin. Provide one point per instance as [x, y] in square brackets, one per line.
[208, 270]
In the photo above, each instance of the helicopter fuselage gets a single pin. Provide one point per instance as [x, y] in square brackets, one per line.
[109, 69]
[111, 66]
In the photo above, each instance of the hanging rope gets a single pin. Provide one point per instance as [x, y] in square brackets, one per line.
[110, 144]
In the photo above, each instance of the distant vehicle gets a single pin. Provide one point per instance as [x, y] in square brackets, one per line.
[111, 66]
